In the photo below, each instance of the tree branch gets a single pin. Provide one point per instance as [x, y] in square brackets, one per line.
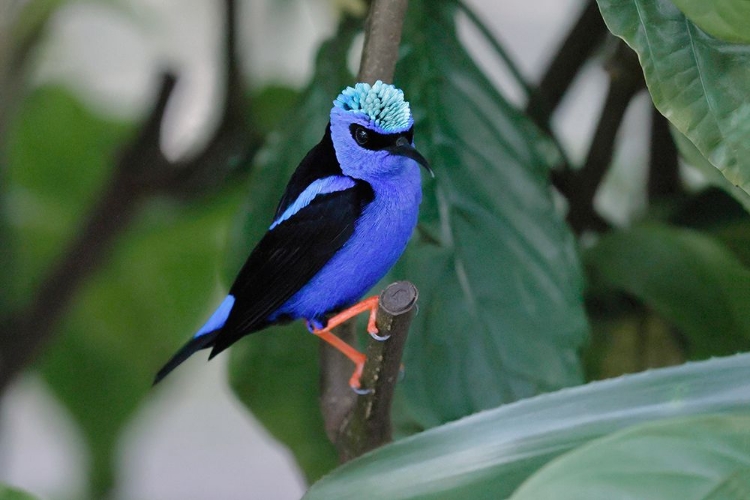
[382, 39]
[141, 171]
[583, 39]
[338, 403]
[663, 165]
[369, 425]
[580, 187]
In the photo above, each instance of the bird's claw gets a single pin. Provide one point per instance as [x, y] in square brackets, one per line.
[379, 338]
[360, 391]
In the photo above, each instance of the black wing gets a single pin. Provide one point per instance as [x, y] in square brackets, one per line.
[319, 162]
[288, 257]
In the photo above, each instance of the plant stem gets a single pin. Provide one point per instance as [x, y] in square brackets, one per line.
[580, 187]
[341, 408]
[368, 426]
[583, 39]
[663, 168]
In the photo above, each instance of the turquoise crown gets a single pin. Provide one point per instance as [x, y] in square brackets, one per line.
[382, 102]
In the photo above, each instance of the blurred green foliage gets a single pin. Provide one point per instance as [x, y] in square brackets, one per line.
[504, 301]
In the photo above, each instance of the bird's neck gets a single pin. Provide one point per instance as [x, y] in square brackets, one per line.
[401, 187]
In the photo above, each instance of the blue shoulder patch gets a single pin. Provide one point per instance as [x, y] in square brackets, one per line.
[325, 185]
[218, 318]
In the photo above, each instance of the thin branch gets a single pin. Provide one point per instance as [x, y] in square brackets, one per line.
[583, 39]
[663, 168]
[382, 39]
[338, 404]
[510, 64]
[580, 187]
[141, 171]
[369, 425]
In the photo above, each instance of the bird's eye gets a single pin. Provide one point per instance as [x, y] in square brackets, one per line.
[361, 136]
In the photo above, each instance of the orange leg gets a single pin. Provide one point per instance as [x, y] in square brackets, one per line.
[370, 304]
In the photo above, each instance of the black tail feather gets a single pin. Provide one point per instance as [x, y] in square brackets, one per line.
[195, 344]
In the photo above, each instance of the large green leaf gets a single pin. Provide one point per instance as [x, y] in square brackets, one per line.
[695, 458]
[688, 278]
[7, 493]
[501, 314]
[725, 19]
[488, 455]
[275, 373]
[700, 83]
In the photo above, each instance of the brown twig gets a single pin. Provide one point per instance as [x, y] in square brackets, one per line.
[663, 168]
[141, 170]
[382, 38]
[583, 39]
[338, 403]
[579, 187]
[369, 425]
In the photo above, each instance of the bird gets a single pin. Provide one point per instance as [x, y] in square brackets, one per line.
[344, 219]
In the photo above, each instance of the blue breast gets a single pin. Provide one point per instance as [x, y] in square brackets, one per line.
[380, 237]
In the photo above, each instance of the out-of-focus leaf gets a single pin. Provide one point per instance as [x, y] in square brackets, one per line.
[488, 455]
[725, 19]
[8, 493]
[691, 458]
[271, 105]
[59, 156]
[700, 83]
[686, 277]
[501, 315]
[119, 331]
[275, 372]
[117, 334]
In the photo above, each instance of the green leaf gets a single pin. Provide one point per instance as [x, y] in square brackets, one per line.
[688, 278]
[59, 156]
[8, 493]
[691, 155]
[725, 19]
[500, 312]
[488, 455]
[700, 83]
[275, 373]
[688, 458]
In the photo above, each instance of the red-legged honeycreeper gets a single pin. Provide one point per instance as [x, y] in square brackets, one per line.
[343, 221]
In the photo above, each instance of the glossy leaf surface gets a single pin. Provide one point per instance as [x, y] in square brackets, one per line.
[700, 83]
[501, 314]
[696, 458]
[724, 19]
[488, 455]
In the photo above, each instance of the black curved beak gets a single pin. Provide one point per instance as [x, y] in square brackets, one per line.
[404, 148]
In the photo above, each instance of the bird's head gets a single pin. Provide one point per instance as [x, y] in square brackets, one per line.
[372, 131]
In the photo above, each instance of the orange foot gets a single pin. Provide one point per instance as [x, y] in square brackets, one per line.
[370, 304]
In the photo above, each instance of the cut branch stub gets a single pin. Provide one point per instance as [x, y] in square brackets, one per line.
[369, 424]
